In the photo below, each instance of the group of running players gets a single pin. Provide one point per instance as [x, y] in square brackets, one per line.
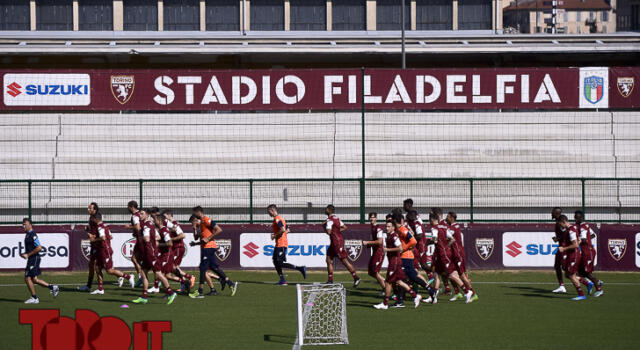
[410, 246]
[576, 254]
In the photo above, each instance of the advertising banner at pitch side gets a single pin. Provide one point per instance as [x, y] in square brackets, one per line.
[54, 254]
[534, 88]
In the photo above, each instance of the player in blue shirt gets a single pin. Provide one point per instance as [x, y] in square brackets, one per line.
[32, 247]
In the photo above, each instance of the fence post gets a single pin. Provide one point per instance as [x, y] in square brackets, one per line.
[362, 194]
[140, 193]
[471, 200]
[30, 201]
[582, 181]
[251, 201]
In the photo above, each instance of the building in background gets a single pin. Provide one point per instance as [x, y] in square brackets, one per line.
[573, 16]
[628, 15]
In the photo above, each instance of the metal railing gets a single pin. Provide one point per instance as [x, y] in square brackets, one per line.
[303, 200]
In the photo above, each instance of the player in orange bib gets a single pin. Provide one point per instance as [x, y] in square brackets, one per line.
[280, 231]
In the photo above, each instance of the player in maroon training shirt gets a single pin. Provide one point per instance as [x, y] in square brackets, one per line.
[93, 248]
[420, 255]
[104, 255]
[136, 227]
[395, 273]
[571, 262]
[178, 250]
[439, 213]
[334, 228]
[458, 255]
[444, 266]
[587, 254]
[150, 258]
[559, 237]
[377, 244]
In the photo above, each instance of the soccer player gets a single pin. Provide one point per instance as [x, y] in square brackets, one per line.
[104, 254]
[178, 250]
[32, 248]
[406, 256]
[438, 212]
[444, 266]
[458, 256]
[208, 230]
[334, 227]
[571, 262]
[136, 228]
[280, 231]
[561, 232]
[420, 251]
[377, 244]
[407, 205]
[150, 260]
[588, 254]
[94, 247]
[395, 274]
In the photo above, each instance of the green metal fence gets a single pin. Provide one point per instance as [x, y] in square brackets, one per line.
[303, 200]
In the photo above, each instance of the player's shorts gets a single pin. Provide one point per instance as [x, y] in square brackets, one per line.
[164, 263]
[420, 252]
[572, 262]
[460, 264]
[104, 259]
[138, 252]
[177, 253]
[557, 264]
[208, 259]
[279, 255]
[587, 259]
[375, 262]
[444, 266]
[409, 269]
[394, 271]
[336, 248]
[33, 266]
[94, 250]
[148, 259]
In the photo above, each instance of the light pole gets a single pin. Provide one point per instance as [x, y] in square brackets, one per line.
[404, 61]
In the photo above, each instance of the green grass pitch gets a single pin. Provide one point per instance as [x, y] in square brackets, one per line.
[515, 311]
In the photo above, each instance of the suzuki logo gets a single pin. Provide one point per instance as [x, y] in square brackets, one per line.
[513, 249]
[250, 250]
[14, 89]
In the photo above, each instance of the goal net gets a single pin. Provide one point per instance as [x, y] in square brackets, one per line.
[322, 315]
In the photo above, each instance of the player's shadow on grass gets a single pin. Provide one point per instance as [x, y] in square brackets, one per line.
[280, 338]
[12, 300]
[109, 300]
[361, 304]
[533, 292]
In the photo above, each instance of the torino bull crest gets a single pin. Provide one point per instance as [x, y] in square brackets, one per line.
[353, 248]
[122, 87]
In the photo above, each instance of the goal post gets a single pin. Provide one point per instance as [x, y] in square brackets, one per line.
[322, 314]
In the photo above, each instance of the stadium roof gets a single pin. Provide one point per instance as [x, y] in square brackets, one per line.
[216, 43]
[577, 5]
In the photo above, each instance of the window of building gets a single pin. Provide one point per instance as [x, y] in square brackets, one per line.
[605, 16]
[349, 15]
[578, 16]
[222, 15]
[389, 14]
[308, 14]
[267, 15]
[14, 15]
[592, 16]
[181, 14]
[566, 16]
[140, 15]
[54, 15]
[474, 14]
[434, 15]
[95, 14]
[604, 28]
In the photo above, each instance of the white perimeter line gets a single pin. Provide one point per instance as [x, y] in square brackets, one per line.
[348, 283]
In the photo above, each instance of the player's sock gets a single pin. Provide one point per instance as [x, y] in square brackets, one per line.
[169, 290]
[464, 289]
[580, 292]
[100, 286]
[330, 279]
[559, 277]
[156, 283]
[229, 282]
[355, 275]
[584, 281]
[456, 289]
[412, 293]
[200, 291]
[385, 300]
[50, 286]
[144, 294]
[126, 276]
[34, 296]
[430, 275]
[598, 287]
